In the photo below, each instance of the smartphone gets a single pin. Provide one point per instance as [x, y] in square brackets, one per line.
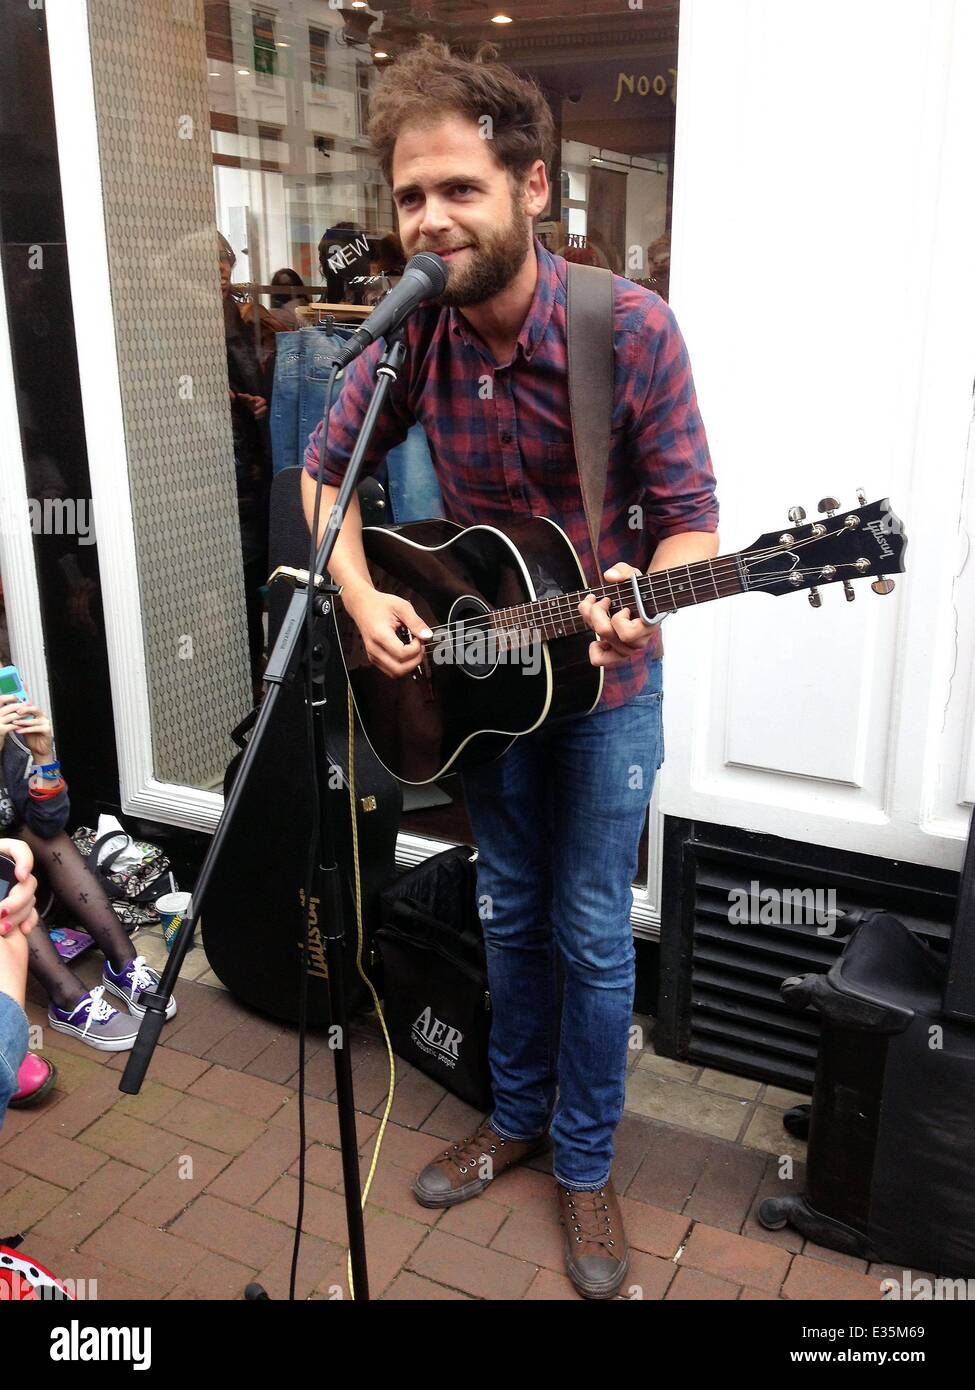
[8, 875]
[11, 684]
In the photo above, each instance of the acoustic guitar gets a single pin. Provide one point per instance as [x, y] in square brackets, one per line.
[509, 647]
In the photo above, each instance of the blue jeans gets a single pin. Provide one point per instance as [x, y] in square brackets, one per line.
[13, 1048]
[557, 822]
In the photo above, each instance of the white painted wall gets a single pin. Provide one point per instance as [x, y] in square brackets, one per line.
[824, 279]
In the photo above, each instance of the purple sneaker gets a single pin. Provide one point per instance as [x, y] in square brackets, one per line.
[95, 1022]
[129, 983]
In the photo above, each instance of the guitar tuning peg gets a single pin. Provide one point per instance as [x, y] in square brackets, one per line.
[815, 598]
[797, 514]
[883, 585]
[828, 505]
[849, 590]
[861, 497]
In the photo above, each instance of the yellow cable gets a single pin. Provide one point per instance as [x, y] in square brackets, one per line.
[357, 892]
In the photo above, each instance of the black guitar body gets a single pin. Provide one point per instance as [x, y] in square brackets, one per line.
[470, 698]
[252, 920]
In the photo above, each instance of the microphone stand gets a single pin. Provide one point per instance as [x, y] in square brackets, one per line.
[287, 660]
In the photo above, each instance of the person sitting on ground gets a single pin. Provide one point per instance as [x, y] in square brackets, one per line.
[34, 807]
[18, 917]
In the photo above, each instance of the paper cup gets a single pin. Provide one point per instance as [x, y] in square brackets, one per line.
[172, 907]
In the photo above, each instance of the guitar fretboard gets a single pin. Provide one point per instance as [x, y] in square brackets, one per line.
[661, 592]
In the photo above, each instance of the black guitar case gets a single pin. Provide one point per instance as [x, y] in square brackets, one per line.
[252, 921]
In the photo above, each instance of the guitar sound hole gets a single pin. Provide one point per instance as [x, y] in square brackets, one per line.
[471, 641]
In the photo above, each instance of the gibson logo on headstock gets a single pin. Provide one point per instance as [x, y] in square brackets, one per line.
[880, 530]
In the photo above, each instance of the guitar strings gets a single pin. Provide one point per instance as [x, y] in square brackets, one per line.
[463, 625]
[722, 568]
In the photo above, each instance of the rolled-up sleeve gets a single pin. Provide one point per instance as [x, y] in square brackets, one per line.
[670, 447]
[352, 396]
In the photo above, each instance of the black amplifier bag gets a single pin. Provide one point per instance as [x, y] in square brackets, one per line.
[436, 1002]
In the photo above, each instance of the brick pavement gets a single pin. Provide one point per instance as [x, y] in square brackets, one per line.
[188, 1190]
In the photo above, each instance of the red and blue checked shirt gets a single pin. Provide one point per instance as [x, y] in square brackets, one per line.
[501, 437]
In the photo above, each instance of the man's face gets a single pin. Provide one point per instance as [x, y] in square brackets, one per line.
[225, 269]
[453, 197]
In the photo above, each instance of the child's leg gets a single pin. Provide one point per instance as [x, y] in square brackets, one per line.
[81, 894]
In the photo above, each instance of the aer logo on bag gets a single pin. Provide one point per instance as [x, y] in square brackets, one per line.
[437, 1038]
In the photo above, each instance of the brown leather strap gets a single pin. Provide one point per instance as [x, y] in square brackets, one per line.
[589, 333]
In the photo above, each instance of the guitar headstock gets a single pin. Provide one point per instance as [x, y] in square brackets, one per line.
[842, 546]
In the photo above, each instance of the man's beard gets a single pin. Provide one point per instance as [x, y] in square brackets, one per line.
[493, 263]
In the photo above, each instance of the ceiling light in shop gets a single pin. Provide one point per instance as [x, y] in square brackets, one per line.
[360, 4]
[380, 53]
[213, 74]
[501, 19]
[281, 43]
[243, 72]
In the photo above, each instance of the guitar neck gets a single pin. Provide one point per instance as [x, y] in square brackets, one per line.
[681, 586]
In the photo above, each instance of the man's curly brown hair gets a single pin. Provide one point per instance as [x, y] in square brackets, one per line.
[429, 82]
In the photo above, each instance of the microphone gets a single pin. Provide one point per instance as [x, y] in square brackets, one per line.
[424, 278]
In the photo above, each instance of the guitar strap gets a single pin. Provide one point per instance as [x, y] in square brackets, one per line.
[589, 334]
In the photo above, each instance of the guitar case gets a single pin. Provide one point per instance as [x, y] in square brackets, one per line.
[891, 1138]
[252, 920]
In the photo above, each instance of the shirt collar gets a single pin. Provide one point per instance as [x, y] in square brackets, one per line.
[548, 286]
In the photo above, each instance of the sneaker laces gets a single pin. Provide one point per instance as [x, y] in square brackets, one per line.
[466, 1155]
[99, 1009]
[141, 976]
[588, 1218]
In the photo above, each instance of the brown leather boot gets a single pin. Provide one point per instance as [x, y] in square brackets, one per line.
[466, 1169]
[593, 1240]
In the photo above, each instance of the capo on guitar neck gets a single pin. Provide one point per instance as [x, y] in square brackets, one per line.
[638, 604]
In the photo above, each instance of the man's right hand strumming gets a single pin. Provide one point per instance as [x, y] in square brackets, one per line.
[381, 619]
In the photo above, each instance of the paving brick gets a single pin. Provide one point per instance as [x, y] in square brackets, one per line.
[390, 1240]
[17, 1122]
[676, 1102]
[834, 1257]
[279, 1061]
[142, 1251]
[217, 1126]
[251, 1173]
[752, 1295]
[74, 1219]
[629, 1149]
[726, 1187]
[478, 1220]
[47, 1155]
[250, 1094]
[673, 1164]
[653, 1229]
[412, 1289]
[26, 1202]
[695, 1284]
[407, 1148]
[133, 1141]
[452, 1120]
[68, 1113]
[324, 1213]
[321, 1121]
[461, 1265]
[153, 1102]
[736, 1258]
[391, 1190]
[816, 1279]
[416, 1098]
[549, 1286]
[215, 1277]
[169, 1068]
[168, 1192]
[73, 1067]
[252, 1036]
[198, 1034]
[315, 1256]
[537, 1239]
[647, 1278]
[247, 1236]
